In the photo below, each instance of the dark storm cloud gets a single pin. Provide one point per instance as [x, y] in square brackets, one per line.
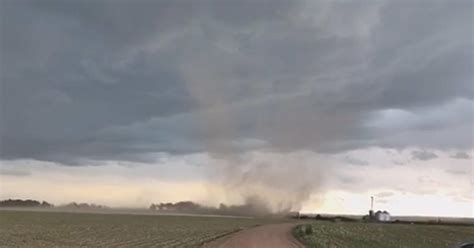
[13, 172]
[355, 161]
[123, 79]
[423, 155]
[461, 155]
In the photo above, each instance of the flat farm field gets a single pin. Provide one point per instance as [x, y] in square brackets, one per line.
[55, 229]
[324, 234]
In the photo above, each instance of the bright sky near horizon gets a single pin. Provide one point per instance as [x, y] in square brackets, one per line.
[314, 105]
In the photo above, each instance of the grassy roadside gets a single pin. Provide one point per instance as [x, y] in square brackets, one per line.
[301, 231]
[322, 234]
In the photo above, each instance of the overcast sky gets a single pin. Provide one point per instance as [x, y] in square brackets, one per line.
[171, 90]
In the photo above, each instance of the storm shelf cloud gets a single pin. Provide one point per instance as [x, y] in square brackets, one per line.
[423, 155]
[293, 74]
[461, 155]
[124, 80]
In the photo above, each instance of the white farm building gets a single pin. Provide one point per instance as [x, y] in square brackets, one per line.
[382, 216]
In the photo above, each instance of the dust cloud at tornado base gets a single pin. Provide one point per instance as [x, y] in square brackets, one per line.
[251, 170]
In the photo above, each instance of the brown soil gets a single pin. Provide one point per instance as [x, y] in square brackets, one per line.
[271, 236]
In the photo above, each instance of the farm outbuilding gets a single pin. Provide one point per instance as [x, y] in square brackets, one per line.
[382, 216]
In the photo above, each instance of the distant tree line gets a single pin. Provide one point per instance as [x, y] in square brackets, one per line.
[25, 203]
[74, 205]
[45, 204]
[177, 207]
[248, 209]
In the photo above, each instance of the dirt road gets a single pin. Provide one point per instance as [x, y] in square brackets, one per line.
[271, 236]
